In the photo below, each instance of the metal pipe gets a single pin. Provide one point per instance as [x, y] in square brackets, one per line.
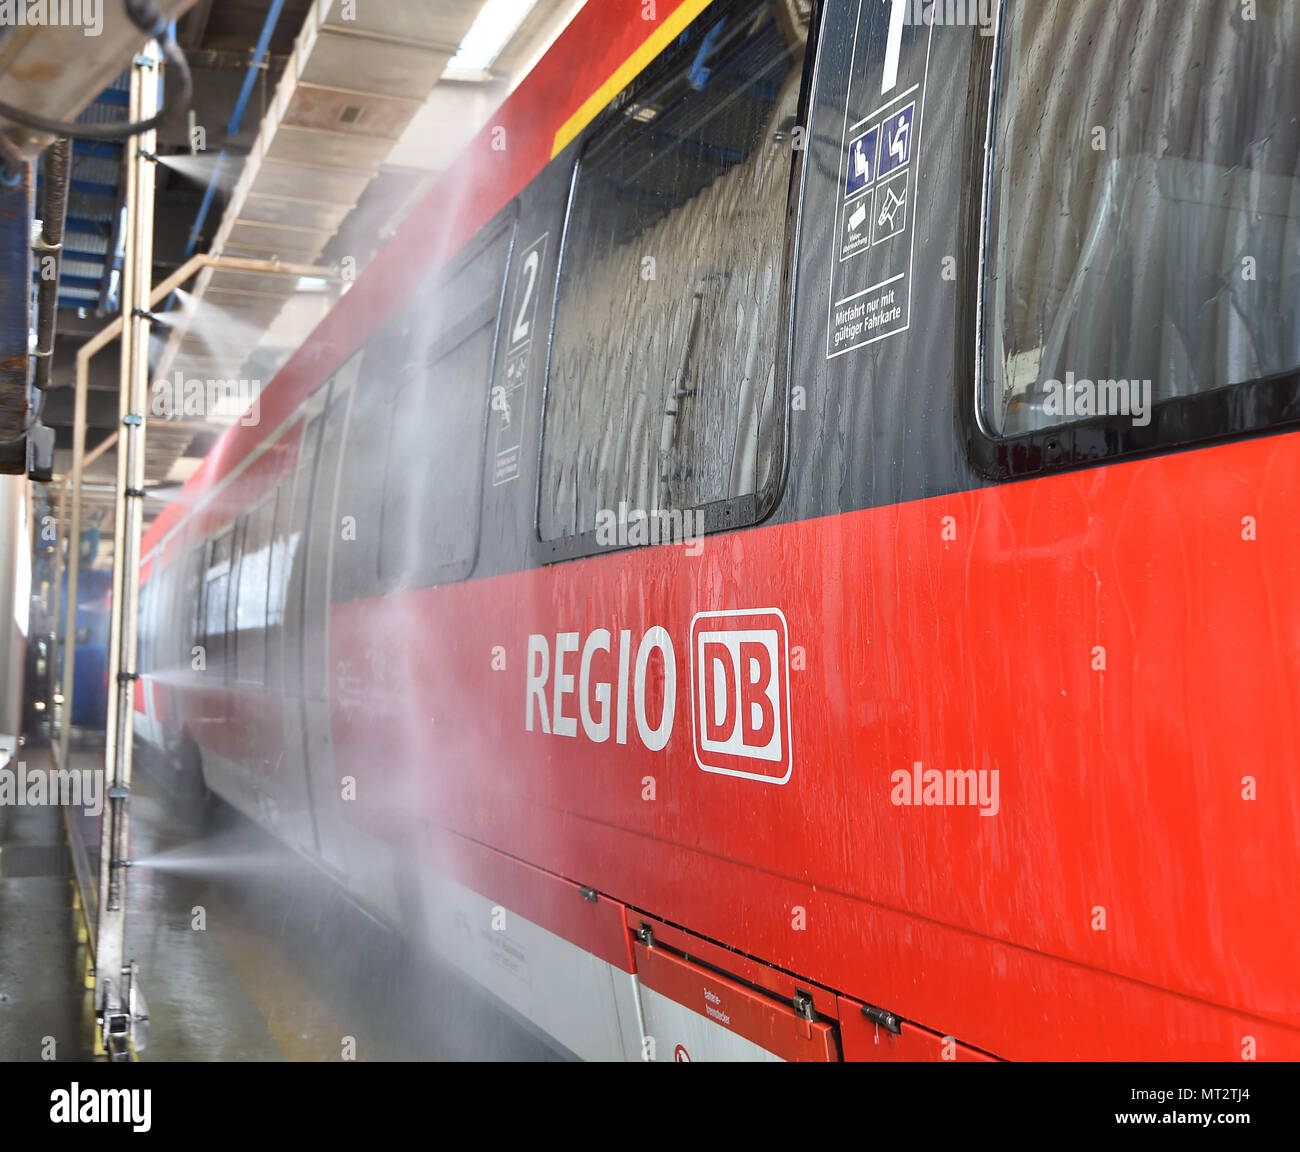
[112, 995]
[209, 194]
[112, 254]
[259, 54]
[60, 542]
[79, 462]
[274, 267]
[236, 118]
[54, 217]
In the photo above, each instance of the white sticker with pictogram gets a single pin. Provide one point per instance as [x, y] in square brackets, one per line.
[510, 398]
[879, 181]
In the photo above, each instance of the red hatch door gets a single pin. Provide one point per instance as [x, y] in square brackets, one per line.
[694, 1013]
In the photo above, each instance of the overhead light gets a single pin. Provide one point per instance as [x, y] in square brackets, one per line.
[492, 31]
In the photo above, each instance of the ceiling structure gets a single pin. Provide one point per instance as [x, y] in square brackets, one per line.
[312, 152]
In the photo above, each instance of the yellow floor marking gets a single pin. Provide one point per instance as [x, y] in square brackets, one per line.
[295, 1016]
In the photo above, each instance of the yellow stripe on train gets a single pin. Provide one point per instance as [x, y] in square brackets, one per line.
[628, 71]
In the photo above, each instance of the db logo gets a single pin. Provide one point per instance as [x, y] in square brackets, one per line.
[740, 694]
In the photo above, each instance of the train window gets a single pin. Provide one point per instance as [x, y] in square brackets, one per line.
[286, 609]
[283, 546]
[149, 612]
[151, 634]
[195, 565]
[663, 393]
[232, 596]
[148, 638]
[144, 622]
[201, 556]
[250, 613]
[355, 571]
[442, 364]
[324, 532]
[216, 588]
[1143, 248]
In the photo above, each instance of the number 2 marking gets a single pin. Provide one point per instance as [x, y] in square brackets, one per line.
[532, 262]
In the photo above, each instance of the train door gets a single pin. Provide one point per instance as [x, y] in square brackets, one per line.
[308, 749]
[293, 809]
[323, 776]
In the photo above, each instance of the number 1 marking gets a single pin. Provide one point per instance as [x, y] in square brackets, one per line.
[894, 45]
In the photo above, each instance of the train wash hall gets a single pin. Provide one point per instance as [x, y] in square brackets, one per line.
[578, 531]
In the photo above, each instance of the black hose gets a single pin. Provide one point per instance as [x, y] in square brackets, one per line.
[58, 178]
[148, 19]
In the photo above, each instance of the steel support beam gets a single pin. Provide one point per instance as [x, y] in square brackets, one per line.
[115, 991]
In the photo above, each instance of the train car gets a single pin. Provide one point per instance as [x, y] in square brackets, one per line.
[789, 551]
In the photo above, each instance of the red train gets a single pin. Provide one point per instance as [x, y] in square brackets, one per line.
[789, 552]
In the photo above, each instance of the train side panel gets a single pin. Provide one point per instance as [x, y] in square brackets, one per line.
[1009, 764]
